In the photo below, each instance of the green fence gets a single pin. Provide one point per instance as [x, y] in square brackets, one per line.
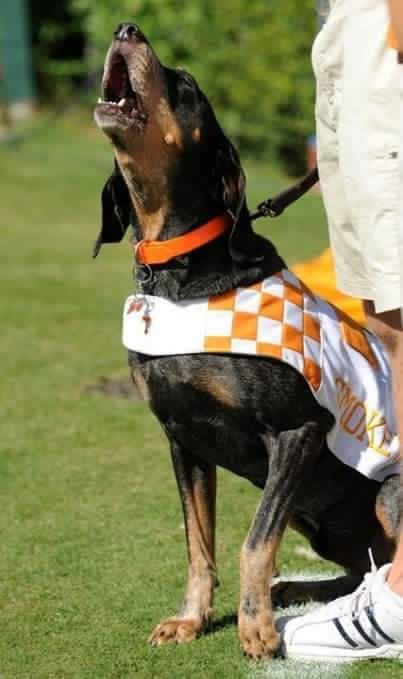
[16, 80]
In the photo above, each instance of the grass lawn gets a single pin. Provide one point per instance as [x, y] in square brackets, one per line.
[92, 546]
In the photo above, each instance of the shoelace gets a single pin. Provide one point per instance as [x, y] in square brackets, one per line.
[362, 597]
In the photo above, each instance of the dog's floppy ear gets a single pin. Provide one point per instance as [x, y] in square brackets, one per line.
[116, 211]
[229, 177]
[231, 183]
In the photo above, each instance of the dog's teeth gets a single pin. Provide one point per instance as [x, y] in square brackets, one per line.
[122, 103]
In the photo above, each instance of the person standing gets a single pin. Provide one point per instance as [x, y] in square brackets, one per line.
[359, 136]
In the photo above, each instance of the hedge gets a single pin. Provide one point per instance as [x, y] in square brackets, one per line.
[252, 58]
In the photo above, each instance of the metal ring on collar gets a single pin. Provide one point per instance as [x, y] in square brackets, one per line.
[136, 249]
[149, 273]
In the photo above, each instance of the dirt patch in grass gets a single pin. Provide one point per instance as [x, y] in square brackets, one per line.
[114, 388]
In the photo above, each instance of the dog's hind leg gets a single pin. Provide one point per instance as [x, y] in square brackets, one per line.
[387, 510]
[383, 542]
[289, 455]
[387, 507]
[300, 591]
[197, 487]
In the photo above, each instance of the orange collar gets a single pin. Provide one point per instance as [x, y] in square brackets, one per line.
[162, 251]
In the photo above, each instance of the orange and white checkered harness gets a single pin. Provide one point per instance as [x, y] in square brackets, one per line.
[277, 317]
[345, 366]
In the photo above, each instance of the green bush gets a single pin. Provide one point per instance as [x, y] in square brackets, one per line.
[252, 58]
[58, 44]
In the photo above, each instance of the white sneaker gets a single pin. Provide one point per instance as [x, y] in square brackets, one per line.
[364, 625]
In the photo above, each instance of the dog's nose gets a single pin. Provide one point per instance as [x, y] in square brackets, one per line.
[127, 32]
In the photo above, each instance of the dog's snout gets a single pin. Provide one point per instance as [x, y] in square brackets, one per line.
[127, 32]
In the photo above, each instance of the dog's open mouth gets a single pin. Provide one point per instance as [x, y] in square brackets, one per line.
[120, 101]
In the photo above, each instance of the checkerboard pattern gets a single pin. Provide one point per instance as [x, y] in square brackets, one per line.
[273, 318]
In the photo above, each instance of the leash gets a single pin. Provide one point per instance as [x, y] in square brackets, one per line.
[273, 207]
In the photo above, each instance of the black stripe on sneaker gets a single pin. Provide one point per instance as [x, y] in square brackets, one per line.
[376, 626]
[343, 633]
[363, 633]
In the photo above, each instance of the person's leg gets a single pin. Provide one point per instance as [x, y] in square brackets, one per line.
[396, 13]
[369, 622]
[388, 326]
[395, 579]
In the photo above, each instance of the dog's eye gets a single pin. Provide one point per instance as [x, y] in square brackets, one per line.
[187, 88]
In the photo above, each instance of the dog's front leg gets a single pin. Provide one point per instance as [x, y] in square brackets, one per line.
[288, 453]
[197, 487]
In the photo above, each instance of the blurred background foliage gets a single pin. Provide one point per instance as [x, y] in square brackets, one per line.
[252, 58]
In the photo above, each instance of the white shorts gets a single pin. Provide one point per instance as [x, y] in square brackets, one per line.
[358, 134]
[401, 181]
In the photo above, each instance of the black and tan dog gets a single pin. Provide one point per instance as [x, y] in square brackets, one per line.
[174, 171]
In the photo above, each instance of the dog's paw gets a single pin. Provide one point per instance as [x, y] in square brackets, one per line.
[176, 631]
[258, 638]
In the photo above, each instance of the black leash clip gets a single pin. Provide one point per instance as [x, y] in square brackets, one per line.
[273, 207]
[267, 209]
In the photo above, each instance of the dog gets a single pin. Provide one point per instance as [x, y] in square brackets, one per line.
[256, 416]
